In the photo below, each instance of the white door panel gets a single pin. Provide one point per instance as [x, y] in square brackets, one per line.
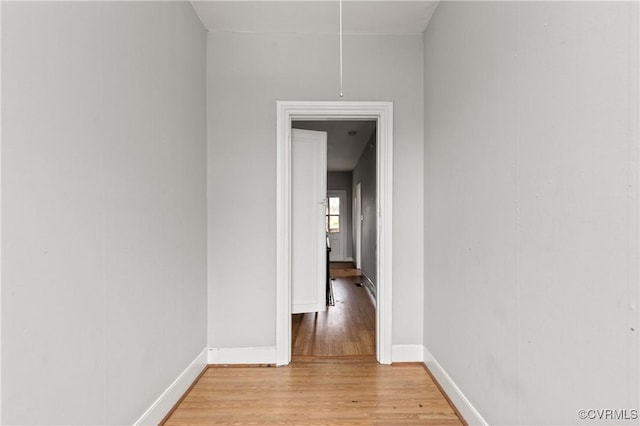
[308, 241]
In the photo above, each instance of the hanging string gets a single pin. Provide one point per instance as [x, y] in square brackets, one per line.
[341, 94]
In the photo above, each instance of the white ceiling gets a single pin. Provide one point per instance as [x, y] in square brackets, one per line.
[343, 150]
[316, 17]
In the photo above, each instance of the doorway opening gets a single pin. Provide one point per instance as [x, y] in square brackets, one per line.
[382, 114]
[346, 325]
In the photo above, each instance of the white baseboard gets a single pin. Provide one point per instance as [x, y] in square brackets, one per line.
[370, 285]
[242, 355]
[400, 353]
[165, 402]
[407, 353]
[343, 259]
[464, 406]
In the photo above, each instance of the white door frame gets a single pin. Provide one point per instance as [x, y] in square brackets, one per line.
[382, 112]
[343, 214]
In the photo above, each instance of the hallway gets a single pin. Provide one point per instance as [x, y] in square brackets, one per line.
[346, 329]
[146, 211]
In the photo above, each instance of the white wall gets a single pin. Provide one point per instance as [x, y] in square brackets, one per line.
[103, 207]
[531, 218]
[365, 174]
[247, 73]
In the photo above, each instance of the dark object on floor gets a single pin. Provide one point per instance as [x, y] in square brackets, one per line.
[358, 284]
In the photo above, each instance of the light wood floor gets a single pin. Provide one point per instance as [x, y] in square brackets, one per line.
[333, 379]
[348, 328]
[344, 269]
[316, 391]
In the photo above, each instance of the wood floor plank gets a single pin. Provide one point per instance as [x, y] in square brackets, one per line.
[334, 379]
[348, 328]
[316, 392]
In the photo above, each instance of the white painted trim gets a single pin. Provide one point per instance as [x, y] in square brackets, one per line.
[382, 112]
[283, 236]
[464, 406]
[242, 355]
[384, 264]
[165, 402]
[370, 285]
[407, 353]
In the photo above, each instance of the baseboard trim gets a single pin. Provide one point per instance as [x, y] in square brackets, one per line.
[342, 260]
[242, 355]
[156, 413]
[370, 285]
[453, 392]
[407, 353]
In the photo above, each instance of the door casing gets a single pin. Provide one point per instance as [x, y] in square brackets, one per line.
[382, 113]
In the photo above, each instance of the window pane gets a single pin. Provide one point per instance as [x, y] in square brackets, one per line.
[334, 223]
[334, 205]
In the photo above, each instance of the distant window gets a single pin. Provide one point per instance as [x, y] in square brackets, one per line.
[333, 215]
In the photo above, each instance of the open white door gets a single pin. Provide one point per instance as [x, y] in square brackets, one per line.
[308, 233]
